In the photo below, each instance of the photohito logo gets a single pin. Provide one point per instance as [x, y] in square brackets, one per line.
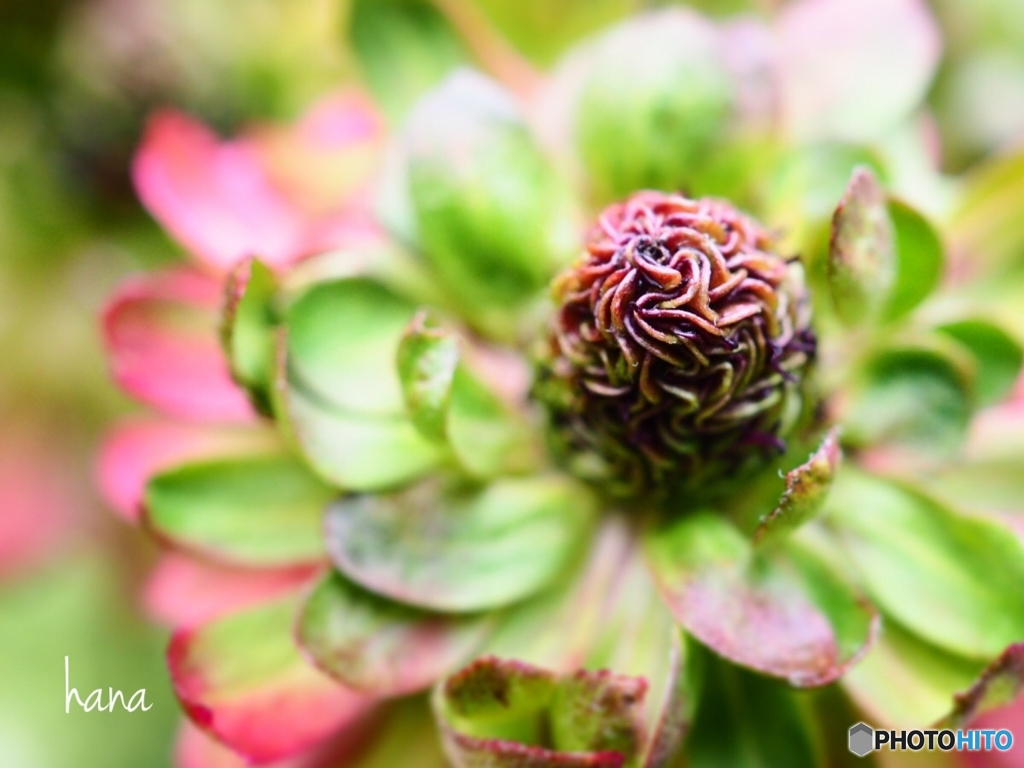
[863, 739]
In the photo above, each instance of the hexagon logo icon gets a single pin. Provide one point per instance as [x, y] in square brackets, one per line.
[862, 739]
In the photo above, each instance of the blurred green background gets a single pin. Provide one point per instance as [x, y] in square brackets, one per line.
[77, 78]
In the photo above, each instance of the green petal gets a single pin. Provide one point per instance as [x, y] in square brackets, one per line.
[343, 339]
[263, 511]
[746, 721]
[385, 649]
[987, 224]
[447, 403]
[638, 637]
[408, 725]
[636, 126]
[494, 220]
[427, 360]
[862, 260]
[352, 452]
[452, 551]
[242, 679]
[338, 393]
[556, 628]
[781, 612]
[920, 397]
[404, 48]
[920, 260]
[953, 580]
[999, 356]
[906, 681]
[993, 485]
[247, 333]
[599, 712]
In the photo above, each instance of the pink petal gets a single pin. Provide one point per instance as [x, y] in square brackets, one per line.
[161, 337]
[214, 197]
[194, 749]
[1009, 717]
[242, 680]
[183, 591]
[135, 450]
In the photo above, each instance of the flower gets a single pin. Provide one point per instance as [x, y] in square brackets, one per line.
[680, 344]
[553, 629]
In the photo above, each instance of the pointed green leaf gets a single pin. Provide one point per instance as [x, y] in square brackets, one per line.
[427, 360]
[920, 260]
[243, 680]
[461, 551]
[338, 393]
[807, 487]
[635, 126]
[771, 611]
[355, 453]
[383, 648]
[494, 220]
[920, 397]
[404, 48]
[862, 261]
[953, 580]
[1001, 683]
[999, 356]
[447, 403]
[246, 330]
[732, 721]
[254, 511]
[343, 339]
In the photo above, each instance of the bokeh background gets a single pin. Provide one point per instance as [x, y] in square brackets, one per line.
[77, 79]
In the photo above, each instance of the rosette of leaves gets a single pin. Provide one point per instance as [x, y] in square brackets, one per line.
[435, 547]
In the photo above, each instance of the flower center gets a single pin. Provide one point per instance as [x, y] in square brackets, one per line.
[679, 347]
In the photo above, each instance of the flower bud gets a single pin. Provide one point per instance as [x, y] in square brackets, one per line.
[679, 348]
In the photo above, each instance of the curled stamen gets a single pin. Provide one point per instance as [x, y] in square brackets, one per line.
[682, 339]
